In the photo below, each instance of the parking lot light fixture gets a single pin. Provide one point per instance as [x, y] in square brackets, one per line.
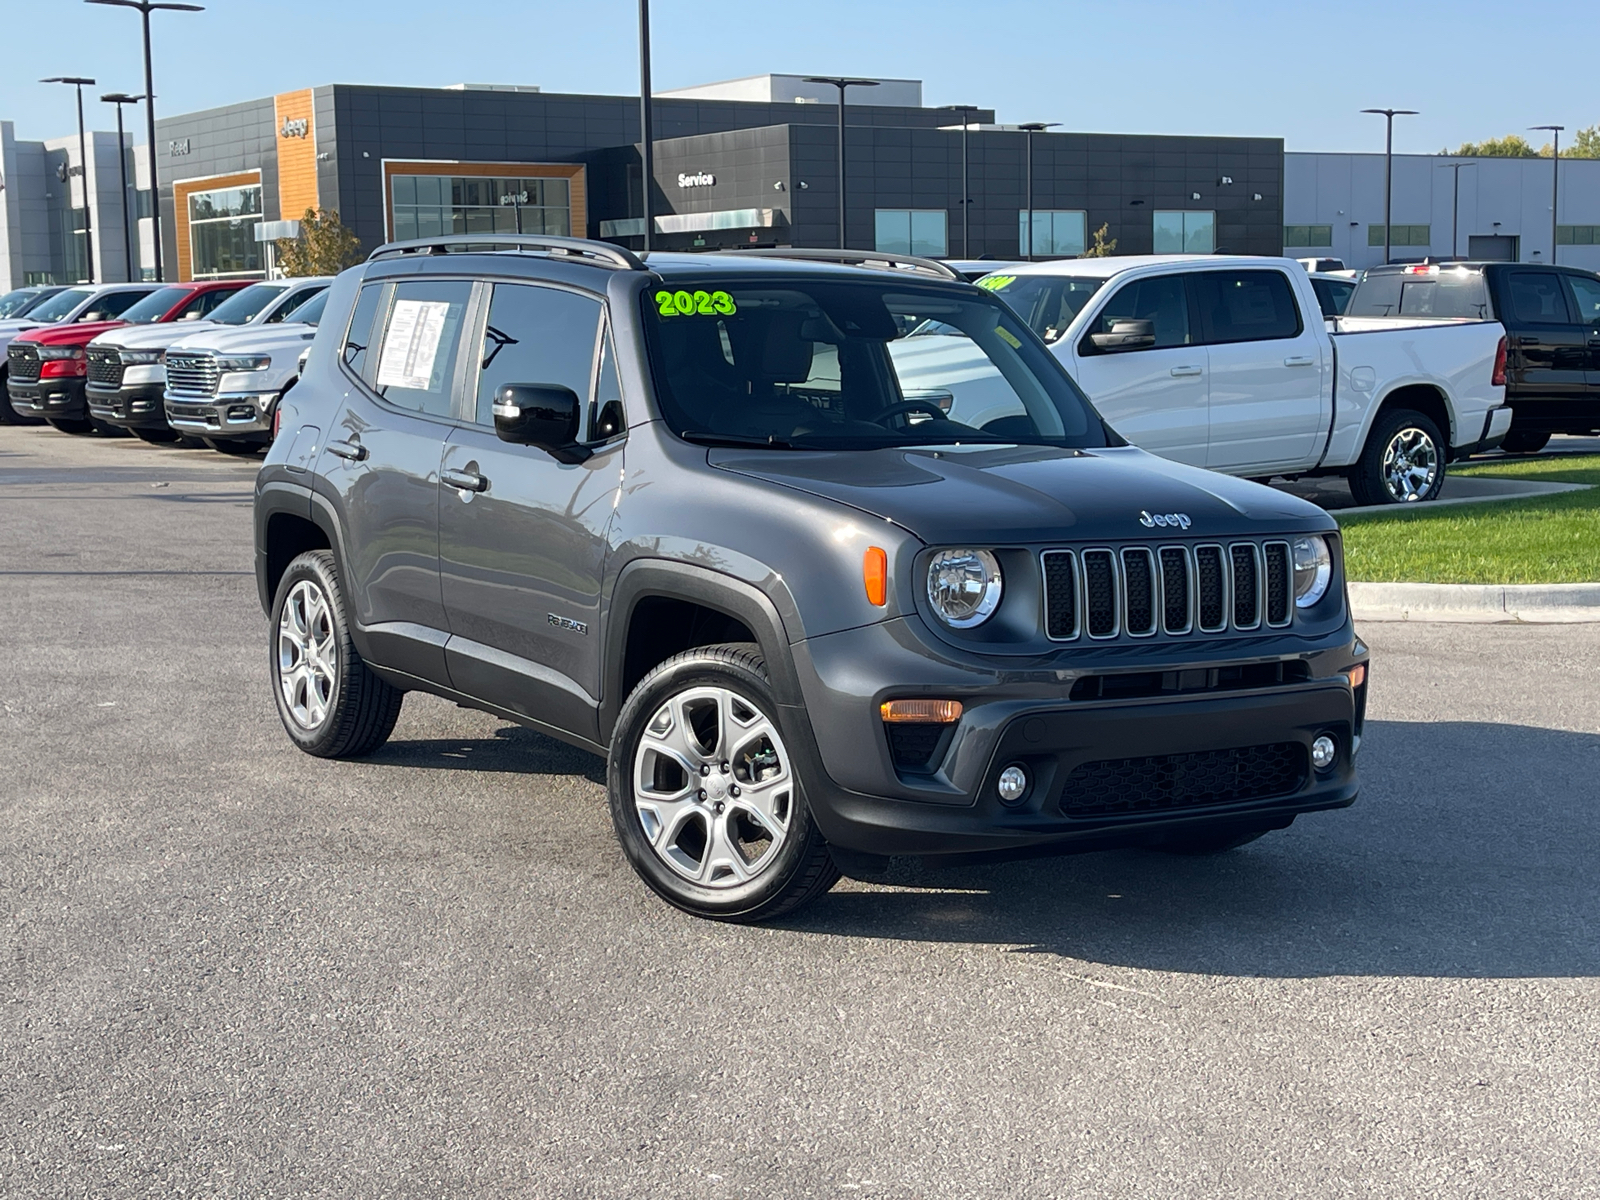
[145, 8]
[119, 99]
[1389, 114]
[1030, 128]
[79, 83]
[1555, 180]
[646, 125]
[841, 82]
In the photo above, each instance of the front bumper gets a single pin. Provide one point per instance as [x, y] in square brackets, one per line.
[1103, 773]
[135, 406]
[54, 398]
[232, 414]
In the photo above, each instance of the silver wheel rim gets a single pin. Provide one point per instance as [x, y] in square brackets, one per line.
[1410, 464]
[307, 657]
[713, 787]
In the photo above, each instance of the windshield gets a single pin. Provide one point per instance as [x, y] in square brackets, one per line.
[14, 304]
[154, 306]
[1447, 293]
[309, 313]
[241, 307]
[60, 305]
[829, 366]
[1048, 303]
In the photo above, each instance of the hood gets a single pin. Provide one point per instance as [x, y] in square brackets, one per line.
[1019, 494]
[250, 339]
[75, 334]
[151, 337]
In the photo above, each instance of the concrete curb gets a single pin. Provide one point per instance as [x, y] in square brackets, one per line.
[1510, 489]
[1531, 603]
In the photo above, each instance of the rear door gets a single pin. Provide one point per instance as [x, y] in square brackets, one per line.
[1154, 397]
[1552, 349]
[1585, 297]
[1266, 370]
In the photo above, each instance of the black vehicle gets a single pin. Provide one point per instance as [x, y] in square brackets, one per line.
[1552, 318]
[681, 513]
[15, 305]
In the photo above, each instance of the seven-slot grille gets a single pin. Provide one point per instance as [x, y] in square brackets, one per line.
[105, 367]
[1140, 591]
[22, 362]
[192, 374]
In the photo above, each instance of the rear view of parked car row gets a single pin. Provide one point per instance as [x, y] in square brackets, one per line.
[188, 363]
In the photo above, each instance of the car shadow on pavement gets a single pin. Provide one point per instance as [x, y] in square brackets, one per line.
[1471, 853]
[512, 749]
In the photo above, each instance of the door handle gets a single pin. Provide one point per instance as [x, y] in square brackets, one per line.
[353, 451]
[1527, 341]
[1184, 372]
[1299, 360]
[466, 481]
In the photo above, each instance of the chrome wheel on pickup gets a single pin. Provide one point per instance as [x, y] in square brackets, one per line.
[1410, 464]
[1403, 462]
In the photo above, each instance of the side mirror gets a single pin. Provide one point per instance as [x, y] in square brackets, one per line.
[545, 415]
[1126, 335]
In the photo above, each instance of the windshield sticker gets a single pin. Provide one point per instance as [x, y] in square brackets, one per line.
[997, 283]
[1008, 337]
[695, 304]
[412, 345]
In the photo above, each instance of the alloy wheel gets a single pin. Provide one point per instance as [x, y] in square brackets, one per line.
[1410, 464]
[307, 654]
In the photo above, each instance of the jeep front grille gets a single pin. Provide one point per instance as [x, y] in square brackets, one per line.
[1140, 591]
[22, 363]
[105, 367]
[1161, 783]
[192, 374]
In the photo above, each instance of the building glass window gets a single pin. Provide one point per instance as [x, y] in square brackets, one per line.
[76, 249]
[1308, 235]
[222, 228]
[1185, 232]
[1578, 235]
[1057, 233]
[434, 205]
[920, 231]
[1404, 235]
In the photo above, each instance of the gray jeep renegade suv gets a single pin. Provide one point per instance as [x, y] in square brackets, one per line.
[706, 515]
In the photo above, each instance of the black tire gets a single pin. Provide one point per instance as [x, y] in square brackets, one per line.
[184, 442]
[1407, 432]
[9, 415]
[1203, 842]
[156, 437]
[70, 426]
[360, 709]
[106, 428]
[235, 446]
[800, 868]
[1524, 441]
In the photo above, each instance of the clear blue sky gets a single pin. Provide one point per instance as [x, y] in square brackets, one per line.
[1287, 69]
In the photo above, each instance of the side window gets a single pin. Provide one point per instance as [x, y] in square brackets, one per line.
[111, 306]
[202, 304]
[359, 335]
[537, 335]
[417, 356]
[1246, 306]
[1161, 301]
[295, 298]
[1586, 297]
[1537, 298]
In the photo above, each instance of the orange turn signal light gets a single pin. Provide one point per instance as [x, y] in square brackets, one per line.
[875, 574]
[921, 712]
[1357, 675]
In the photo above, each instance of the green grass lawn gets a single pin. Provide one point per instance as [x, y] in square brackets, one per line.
[1549, 539]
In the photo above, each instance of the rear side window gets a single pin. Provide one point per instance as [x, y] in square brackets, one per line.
[1586, 297]
[1162, 301]
[1537, 298]
[417, 355]
[359, 336]
[1445, 294]
[537, 335]
[1246, 306]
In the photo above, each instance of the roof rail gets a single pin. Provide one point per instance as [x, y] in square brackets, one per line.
[875, 259]
[478, 243]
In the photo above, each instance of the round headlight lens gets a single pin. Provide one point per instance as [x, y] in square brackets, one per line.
[964, 586]
[1313, 568]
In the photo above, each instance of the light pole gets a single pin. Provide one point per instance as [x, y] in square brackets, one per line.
[119, 99]
[83, 169]
[1030, 128]
[966, 196]
[1389, 114]
[841, 82]
[1455, 203]
[646, 125]
[145, 8]
[1555, 180]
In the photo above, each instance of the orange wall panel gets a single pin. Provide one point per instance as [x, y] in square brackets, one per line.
[297, 155]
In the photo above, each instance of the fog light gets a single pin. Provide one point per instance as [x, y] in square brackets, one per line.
[1323, 751]
[1013, 784]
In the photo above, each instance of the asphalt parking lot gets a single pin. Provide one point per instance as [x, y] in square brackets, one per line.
[233, 970]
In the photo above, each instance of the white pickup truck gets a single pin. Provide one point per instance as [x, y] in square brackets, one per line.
[1228, 363]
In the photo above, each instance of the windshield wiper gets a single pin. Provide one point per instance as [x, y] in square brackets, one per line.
[706, 438]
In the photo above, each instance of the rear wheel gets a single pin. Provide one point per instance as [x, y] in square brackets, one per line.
[1403, 461]
[1524, 441]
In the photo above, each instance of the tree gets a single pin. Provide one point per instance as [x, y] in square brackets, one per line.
[1103, 247]
[1585, 143]
[324, 247]
[1511, 146]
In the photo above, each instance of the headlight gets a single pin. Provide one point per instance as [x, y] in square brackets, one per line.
[1313, 567]
[139, 358]
[245, 362]
[964, 587]
[49, 353]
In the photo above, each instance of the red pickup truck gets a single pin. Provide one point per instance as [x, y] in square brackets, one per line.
[47, 369]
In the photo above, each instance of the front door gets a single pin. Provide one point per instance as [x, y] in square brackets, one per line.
[1155, 397]
[523, 555]
[1586, 300]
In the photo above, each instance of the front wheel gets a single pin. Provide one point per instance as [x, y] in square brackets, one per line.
[235, 446]
[156, 435]
[1403, 461]
[707, 801]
